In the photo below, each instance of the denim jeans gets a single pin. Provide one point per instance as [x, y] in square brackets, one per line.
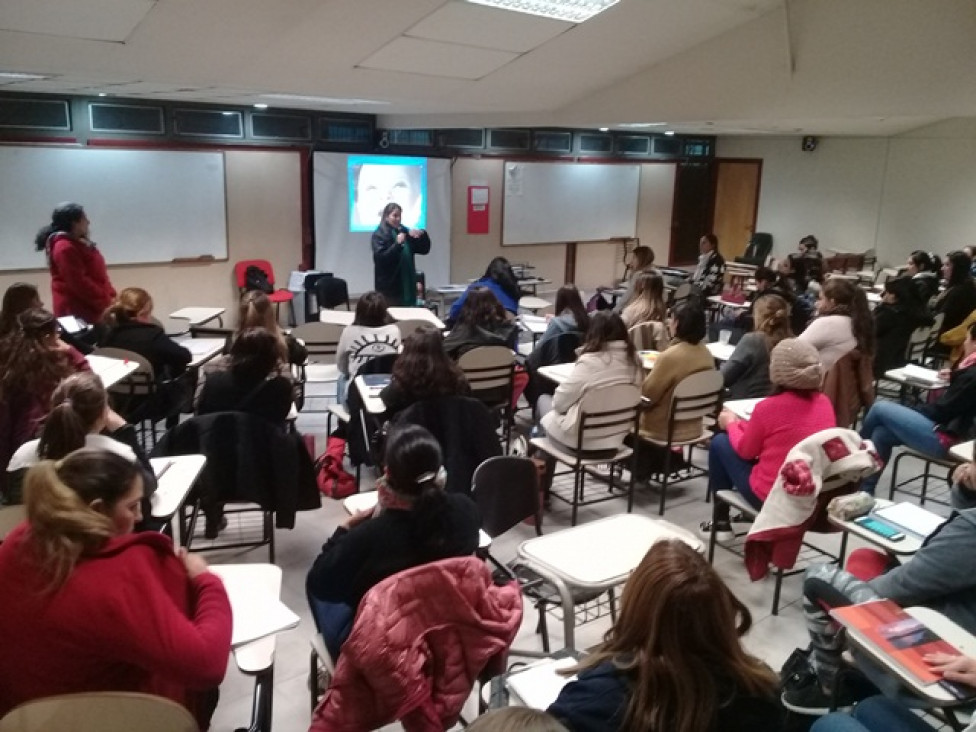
[889, 424]
[877, 714]
[726, 472]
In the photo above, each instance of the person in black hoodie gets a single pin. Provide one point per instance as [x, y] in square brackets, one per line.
[481, 322]
[129, 324]
[673, 661]
[895, 319]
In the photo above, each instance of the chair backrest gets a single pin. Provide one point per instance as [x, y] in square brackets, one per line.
[240, 271]
[11, 516]
[697, 395]
[683, 292]
[646, 335]
[937, 320]
[210, 331]
[331, 291]
[409, 327]
[320, 339]
[506, 489]
[103, 711]
[608, 412]
[488, 368]
[140, 382]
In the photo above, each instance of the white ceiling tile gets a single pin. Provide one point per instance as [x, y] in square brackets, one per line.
[98, 20]
[433, 58]
[477, 25]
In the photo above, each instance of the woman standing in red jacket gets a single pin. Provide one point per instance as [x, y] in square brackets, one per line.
[79, 281]
[90, 606]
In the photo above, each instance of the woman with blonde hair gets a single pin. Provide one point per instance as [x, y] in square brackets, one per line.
[129, 324]
[257, 311]
[90, 606]
[638, 262]
[647, 303]
[673, 661]
[746, 373]
[80, 417]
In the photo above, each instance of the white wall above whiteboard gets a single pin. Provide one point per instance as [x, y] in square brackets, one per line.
[144, 205]
[547, 203]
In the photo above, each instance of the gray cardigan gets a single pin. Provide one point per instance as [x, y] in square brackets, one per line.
[941, 575]
[746, 373]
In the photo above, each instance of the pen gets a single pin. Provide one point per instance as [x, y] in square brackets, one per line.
[163, 470]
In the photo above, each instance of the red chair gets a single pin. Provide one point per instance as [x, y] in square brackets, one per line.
[277, 297]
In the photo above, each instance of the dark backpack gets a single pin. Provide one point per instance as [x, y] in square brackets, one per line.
[256, 278]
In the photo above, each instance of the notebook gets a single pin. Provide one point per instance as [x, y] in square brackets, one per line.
[911, 371]
[539, 684]
[909, 517]
[375, 383]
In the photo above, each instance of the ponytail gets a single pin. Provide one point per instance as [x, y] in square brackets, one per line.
[126, 306]
[63, 526]
[431, 513]
[40, 241]
[78, 403]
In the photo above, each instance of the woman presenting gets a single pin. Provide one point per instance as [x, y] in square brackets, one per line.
[79, 280]
[394, 247]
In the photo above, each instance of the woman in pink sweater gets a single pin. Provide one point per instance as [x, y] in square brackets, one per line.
[747, 457]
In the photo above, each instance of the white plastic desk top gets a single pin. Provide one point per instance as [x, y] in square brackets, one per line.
[924, 379]
[202, 349]
[416, 314]
[720, 351]
[536, 324]
[945, 629]
[717, 300]
[557, 373]
[963, 451]
[175, 482]
[367, 501]
[110, 370]
[197, 315]
[604, 552]
[373, 404]
[337, 317]
[907, 546]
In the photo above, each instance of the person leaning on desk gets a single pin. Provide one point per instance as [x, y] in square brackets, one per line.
[394, 247]
[88, 605]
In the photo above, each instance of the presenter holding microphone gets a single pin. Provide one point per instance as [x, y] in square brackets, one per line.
[394, 247]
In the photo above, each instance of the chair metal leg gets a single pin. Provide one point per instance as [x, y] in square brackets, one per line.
[776, 590]
[664, 481]
[711, 535]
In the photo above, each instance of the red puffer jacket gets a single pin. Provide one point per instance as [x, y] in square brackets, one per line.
[79, 280]
[420, 640]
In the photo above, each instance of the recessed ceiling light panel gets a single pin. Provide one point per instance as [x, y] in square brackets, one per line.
[571, 11]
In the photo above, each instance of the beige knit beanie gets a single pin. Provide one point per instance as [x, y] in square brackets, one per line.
[795, 364]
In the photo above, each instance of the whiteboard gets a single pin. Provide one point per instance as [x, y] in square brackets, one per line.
[144, 205]
[562, 202]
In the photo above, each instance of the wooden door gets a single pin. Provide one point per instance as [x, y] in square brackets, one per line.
[736, 204]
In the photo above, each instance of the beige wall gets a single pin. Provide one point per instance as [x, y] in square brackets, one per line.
[263, 221]
[597, 263]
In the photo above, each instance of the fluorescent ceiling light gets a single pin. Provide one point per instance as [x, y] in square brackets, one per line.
[319, 100]
[21, 76]
[641, 125]
[572, 11]
[260, 106]
[669, 133]
[604, 129]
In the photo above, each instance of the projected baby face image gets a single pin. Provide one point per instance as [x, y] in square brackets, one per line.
[378, 185]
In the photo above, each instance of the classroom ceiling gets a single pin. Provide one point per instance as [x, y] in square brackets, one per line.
[823, 67]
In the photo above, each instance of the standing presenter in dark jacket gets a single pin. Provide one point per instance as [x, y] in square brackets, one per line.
[394, 247]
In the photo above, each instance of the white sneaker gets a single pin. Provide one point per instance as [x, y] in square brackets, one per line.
[723, 533]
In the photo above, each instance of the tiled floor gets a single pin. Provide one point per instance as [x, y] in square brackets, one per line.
[772, 638]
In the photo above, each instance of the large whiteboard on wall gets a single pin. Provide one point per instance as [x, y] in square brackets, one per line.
[144, 205]
[569, 202]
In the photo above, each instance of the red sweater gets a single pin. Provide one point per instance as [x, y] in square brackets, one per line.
[127, 619]
[79, 279]
[777, 424]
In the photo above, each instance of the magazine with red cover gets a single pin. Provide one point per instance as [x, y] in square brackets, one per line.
[896, 633]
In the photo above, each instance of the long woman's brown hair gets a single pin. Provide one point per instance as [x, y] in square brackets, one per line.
[28, 360]
[481, 309]
[677, 638]
[647, 302]
[850, 300]
[255, 311]
[58, 497]
[605, 327]
[424, 370]
[771, 317]
[76, 406]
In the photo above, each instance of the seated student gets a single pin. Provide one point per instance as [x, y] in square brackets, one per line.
[500, 280]
[963, 481]
[417, 523]
[80, 417]
[673, 660]
[570, 317]
[252, 382]
[19, 297]
[931, 428]
[480, 321]
[371, 334]
[742, 322]
[896, 317]
[843, 323]
[959, 298]
[686, 355]
[881, 714]
[809, 252]
[710, 271]
[255, 310]
[940, 576]
[129, 324]
[33, 361]
[747, 457]
[746, 373]
[90, 606]
[924, 269]
[423, 371]
[955, 337]
[607, 358]
[638, 262]
[647, 306]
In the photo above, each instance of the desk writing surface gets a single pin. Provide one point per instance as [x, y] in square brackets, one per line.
[557, 373]
[720, 351]
[906, 547]
[963, 451]
[202, 349]
[197, 315]
[174, 477]
[603, 552]
[110, 370]
[742, 408]
[253, 591]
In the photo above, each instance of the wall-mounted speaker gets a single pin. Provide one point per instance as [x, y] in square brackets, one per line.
[809, 143]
